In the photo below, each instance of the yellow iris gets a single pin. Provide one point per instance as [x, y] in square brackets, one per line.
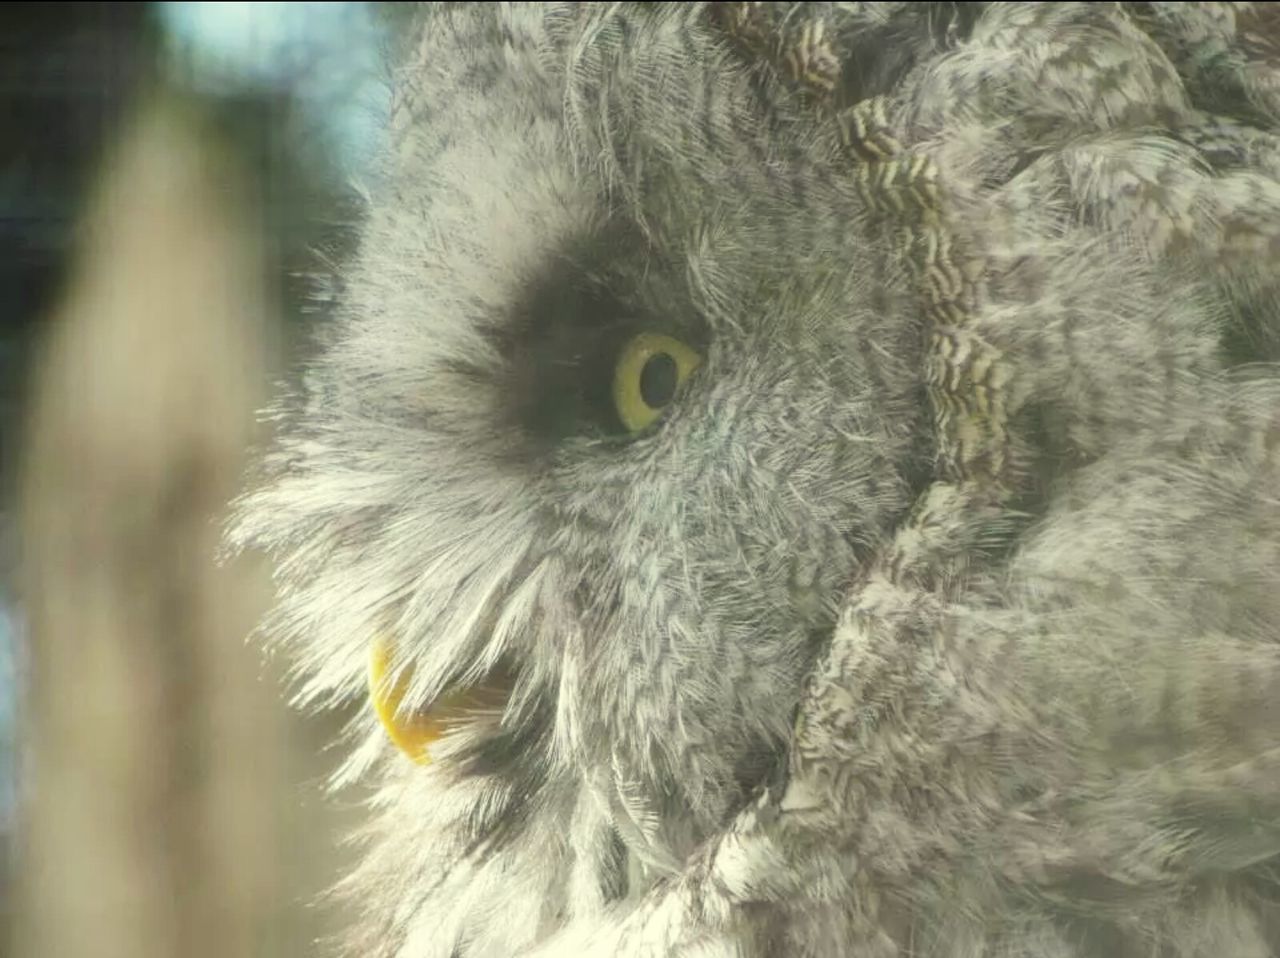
[650, 369]
[414, 731]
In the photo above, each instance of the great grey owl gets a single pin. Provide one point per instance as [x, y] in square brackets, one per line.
[804, 479]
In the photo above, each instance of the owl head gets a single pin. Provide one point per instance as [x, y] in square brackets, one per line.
[618, 394]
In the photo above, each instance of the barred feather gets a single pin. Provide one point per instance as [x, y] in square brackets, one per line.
[939, 615]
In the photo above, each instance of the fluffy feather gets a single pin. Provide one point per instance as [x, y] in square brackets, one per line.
[939, 615]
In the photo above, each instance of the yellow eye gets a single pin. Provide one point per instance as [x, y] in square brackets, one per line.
[650, 369]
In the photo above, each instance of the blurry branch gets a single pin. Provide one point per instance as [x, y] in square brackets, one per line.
[157, 774]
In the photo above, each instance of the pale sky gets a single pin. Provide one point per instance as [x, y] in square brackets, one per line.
[326, 53]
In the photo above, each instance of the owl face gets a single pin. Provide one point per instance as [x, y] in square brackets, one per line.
[618, 397]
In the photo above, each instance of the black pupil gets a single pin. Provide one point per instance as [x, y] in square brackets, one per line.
[658, 380]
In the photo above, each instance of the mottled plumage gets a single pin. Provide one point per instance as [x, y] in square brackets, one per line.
[938, 614]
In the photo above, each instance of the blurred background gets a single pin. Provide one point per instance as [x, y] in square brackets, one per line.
[178, 186]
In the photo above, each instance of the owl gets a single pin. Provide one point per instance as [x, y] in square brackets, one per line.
[803, 479]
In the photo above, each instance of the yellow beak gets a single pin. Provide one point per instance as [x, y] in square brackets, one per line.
[414, 731]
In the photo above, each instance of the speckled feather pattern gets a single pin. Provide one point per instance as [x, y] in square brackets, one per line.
[939, 615]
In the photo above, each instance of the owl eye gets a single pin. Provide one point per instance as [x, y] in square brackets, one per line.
[650, 369]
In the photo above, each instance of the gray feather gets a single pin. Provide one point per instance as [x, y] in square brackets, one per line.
[938, 615]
